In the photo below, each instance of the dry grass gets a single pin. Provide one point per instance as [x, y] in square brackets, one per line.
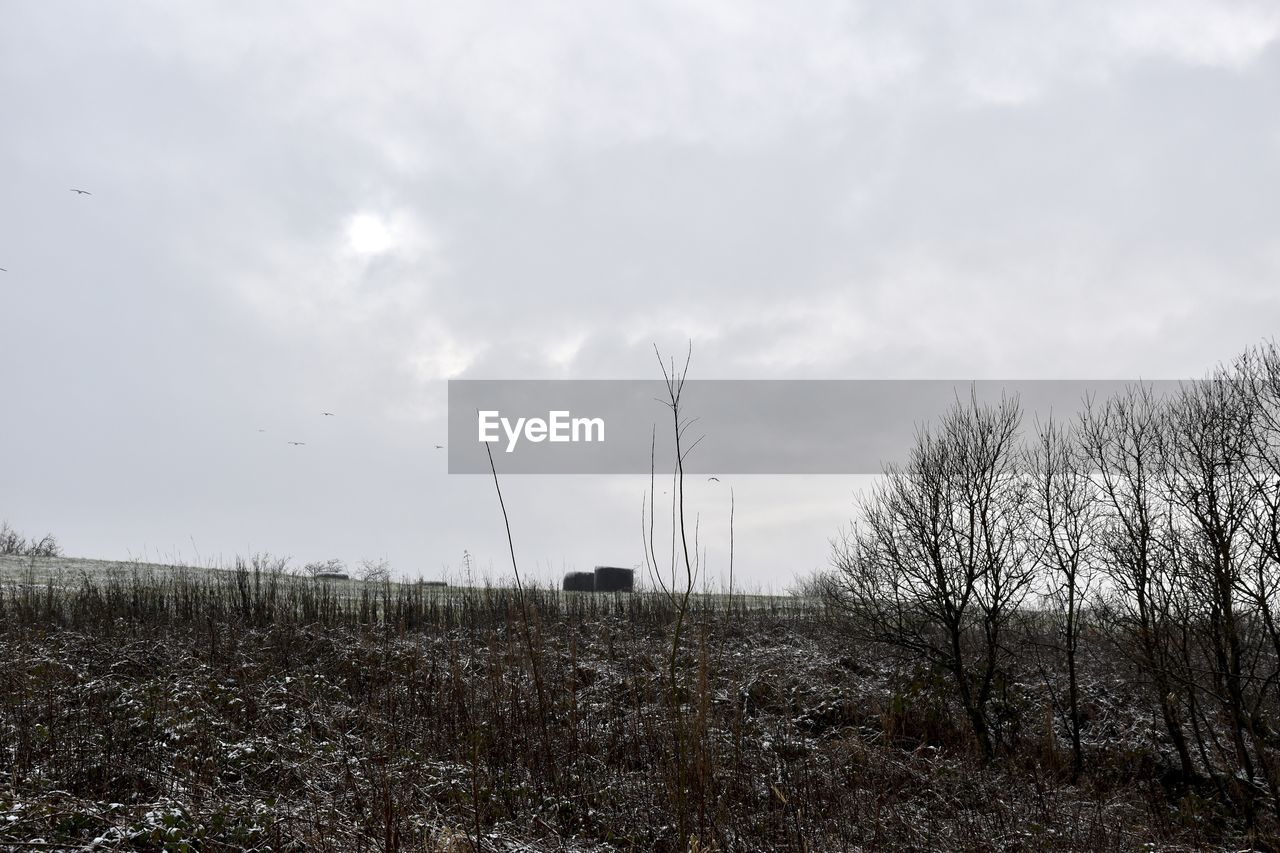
[250, 709]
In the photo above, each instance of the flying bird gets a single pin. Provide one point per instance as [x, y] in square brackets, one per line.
[2, 269]
[262, 430]
[709, 479]
[327, 414]
[439, 447]
[81, 192]
[297, 443]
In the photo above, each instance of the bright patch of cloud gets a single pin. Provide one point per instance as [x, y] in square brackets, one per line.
[370, 234]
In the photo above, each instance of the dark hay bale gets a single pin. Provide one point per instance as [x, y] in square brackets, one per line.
[579, 582]
[613, 579]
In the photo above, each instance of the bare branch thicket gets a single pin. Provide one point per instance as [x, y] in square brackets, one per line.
[938, 567]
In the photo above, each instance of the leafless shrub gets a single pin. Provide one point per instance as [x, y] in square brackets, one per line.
[13, 544]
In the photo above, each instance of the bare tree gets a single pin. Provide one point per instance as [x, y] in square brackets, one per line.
[1258, 371]
[1124, 441]
[1063, 515]
[12, 543]
[1211, 489]
[374, 571]
[325, 567]
[938, 565]
[690, 761]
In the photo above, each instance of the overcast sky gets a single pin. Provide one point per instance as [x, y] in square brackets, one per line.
[305, 207]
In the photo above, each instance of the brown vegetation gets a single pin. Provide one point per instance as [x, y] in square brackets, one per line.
[252, 709]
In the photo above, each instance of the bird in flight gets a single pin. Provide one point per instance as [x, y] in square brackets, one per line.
[297, 443]
[327, 414]
[81, 192]
[262, 430]
[709, 479]
[2, 269]
[439, 447]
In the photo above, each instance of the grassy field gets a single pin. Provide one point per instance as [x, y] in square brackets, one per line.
[65, 572]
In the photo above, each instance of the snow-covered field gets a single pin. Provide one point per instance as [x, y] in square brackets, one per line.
[71, 572]
[74, 570]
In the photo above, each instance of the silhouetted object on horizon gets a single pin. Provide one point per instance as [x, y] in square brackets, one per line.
[580, 582]
[331, 576]
[435, 583]
[82, 192]
[614, 579]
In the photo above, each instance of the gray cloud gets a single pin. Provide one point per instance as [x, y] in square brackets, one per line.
[300, 209]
